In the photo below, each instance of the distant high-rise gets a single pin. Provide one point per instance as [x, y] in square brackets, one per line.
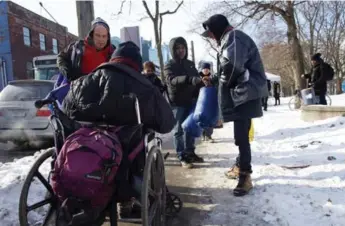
[131, 34]
[145, 49]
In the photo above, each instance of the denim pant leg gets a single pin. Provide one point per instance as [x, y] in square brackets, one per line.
[179, 140]
[241, 132]
[190, 144]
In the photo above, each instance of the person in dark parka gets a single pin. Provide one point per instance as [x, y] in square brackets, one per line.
[102, 95]
[265, 99]
[276, 93]
[320, 73]
[242, 85]
[183, 84]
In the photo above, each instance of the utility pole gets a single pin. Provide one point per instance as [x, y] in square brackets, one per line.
[192, 49]
[85, 15]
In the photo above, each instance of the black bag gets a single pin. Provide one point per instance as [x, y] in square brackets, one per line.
[327, 71]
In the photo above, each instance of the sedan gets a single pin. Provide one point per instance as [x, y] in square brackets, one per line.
[20, 121]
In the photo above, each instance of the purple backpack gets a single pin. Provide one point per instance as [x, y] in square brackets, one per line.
[86, 167]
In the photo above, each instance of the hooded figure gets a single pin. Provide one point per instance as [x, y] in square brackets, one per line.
[183, 84]
[242, 85]
[83, 56]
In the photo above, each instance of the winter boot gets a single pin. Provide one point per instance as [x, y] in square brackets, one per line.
[244, 184]
[233, 172]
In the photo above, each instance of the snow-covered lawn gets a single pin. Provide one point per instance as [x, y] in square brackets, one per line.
[313, 195]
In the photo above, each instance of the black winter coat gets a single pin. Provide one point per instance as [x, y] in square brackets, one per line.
[242, 81]
[183, 81]
[101, 97]
[69, 60]
[318, 79]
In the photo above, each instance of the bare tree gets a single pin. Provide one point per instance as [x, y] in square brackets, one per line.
[157, 20]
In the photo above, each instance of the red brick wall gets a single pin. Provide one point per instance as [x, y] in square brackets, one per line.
[19, 17]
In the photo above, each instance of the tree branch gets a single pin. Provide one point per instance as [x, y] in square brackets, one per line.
[172, 12]
[148, 10]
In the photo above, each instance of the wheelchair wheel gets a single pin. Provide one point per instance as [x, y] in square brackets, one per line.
[173, 204]
[153, 194]
[49, 197]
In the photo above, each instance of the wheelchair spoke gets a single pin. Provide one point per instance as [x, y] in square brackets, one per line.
[39, 204]
[44, 182]
[152, 211]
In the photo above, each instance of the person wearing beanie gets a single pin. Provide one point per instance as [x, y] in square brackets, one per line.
[321, 72]
[208, 79]
[83, 56]
[242, 85]
[150, 73]
[183, 84]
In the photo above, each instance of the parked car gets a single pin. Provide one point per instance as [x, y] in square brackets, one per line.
[20, 121]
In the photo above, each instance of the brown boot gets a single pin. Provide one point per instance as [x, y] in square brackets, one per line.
[244, 184]
[233, 173]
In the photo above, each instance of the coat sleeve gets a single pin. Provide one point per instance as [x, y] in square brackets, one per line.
[233, 60]
[321, 79]
[173, 78]
[64, 62]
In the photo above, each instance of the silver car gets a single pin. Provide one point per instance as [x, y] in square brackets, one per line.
[20, 121]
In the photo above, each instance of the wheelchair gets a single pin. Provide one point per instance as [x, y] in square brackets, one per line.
[150, 193]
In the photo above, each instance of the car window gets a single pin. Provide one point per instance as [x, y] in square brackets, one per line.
[25, 91]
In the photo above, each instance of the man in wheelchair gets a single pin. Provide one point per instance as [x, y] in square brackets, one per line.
[105, 96]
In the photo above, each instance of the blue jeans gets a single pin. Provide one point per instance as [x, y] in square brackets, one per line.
[184, 143]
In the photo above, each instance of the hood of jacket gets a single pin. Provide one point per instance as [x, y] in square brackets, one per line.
[172, 46]
[89, 37]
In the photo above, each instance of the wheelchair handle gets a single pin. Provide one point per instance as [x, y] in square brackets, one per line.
[40, 103]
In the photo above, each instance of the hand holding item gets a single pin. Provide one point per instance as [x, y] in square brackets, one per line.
[206, 81]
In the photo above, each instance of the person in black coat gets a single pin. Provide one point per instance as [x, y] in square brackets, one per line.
[242, 85]
[150, 73]
[276, 93]
[265, 99]
[318, 77]
[102, 96]
[183, 84]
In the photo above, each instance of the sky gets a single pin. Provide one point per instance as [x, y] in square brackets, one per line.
[64, 11]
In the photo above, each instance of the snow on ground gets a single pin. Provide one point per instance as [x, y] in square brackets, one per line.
[304, 196]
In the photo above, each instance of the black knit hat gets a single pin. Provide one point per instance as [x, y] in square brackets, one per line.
[217, 24]
[206, 65]
[129, 50]
[316, 57]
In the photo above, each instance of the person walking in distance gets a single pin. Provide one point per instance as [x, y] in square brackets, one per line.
[265, 99]
[276, 93]
[183, 84]
[242, 85]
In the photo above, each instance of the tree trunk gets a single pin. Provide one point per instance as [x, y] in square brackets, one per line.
[159, 48]
[339, 82]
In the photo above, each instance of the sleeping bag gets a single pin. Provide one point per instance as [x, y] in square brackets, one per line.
[206, 112]
[190, 126]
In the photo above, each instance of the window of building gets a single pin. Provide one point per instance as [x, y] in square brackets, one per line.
[29, 70]
[42, 42]
[55, 46]
[26, 36]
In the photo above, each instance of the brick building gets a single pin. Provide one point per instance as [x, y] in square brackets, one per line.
[24, 35]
